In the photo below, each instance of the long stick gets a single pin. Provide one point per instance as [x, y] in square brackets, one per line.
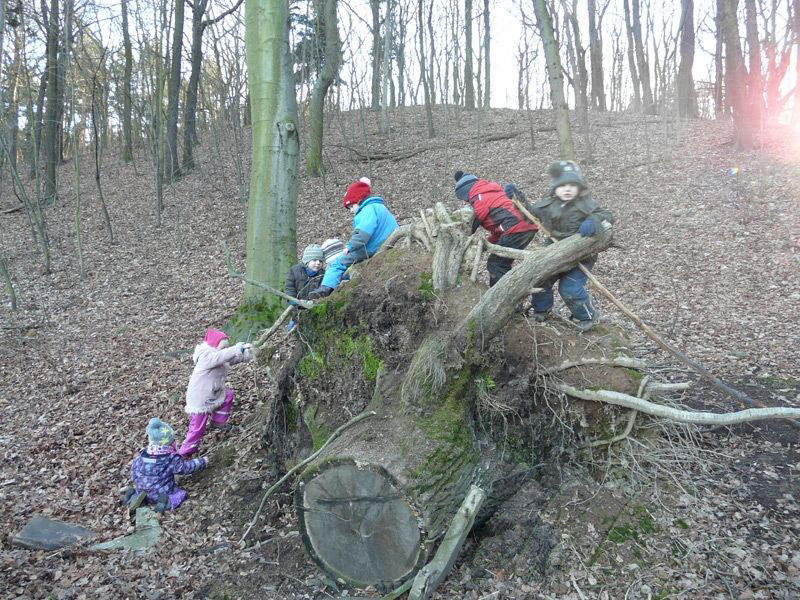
[262, 285]
[302, 464]
[741, 396]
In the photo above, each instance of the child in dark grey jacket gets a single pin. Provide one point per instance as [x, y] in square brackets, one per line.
[567, 210]
[306, 275]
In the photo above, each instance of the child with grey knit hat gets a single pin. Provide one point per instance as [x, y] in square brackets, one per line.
[305, 276]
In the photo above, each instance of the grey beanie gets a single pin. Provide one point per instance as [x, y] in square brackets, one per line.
[563, 172]
[312, 252]
[464, 183]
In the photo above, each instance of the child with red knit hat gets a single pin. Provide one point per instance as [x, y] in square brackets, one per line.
[372, 225]
[208, 401]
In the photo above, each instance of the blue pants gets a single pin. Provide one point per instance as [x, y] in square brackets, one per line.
[335, 270]
[572, 289]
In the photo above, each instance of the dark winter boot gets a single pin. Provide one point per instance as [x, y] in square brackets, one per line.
[321, 292]
[163, 504]
[224, 427]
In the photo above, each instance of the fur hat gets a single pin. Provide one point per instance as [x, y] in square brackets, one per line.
[214, 337]
[563, 172]
[464, 183]
[312, 252]
[159, 433]
[357, 192]
[331, 249]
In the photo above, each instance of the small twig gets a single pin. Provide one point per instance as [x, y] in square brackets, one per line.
[233, 273]
[302, 464]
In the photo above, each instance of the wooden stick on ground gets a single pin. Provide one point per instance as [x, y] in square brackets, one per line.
[302, 464]
[432, 574]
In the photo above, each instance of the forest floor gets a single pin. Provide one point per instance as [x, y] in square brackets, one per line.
[710, 258]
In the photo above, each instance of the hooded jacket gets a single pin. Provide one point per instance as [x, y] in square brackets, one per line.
[372, 225]
[206, 390]
[495, 212]
[155, 474]
[563, 219]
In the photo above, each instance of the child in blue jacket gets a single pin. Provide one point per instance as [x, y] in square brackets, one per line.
[372, 225]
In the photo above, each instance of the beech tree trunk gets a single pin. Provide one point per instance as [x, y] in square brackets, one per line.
[50, 126]
[127, 137]
[487, 73]
[596, 59]
[641, 60]
[469, 84]
[190, 109]
[173, 92]
[637, 95]
[736, 78]
[687, 100]
[325, 11]
[376, 53]
[426, 85]
[553, 63]
[719, 97]
[271, 209]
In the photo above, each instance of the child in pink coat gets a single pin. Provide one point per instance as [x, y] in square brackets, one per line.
[208, 401]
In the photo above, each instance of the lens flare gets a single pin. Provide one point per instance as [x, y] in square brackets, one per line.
[733, 171]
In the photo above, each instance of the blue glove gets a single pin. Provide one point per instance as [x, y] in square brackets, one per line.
[587, 228]
[509, 190]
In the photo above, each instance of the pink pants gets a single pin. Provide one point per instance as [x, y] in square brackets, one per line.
[198, 423]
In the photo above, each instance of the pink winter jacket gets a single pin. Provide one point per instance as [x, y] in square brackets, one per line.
[206, 390]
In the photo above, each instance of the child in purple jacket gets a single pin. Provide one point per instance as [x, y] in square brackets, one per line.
[153, 470]
[208, 401]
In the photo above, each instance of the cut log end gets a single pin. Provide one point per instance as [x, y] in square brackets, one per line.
[357, 524]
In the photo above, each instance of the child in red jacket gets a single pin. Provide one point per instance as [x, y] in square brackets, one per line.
[495, 212]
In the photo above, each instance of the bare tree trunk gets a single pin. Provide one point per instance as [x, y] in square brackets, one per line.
[487, 73]
[376, 53]
[796, 114]
[432, 56]
[13, 89]
[173, 92]
[425, 83]
[127, 139]
[553, 63]
[578, 54]
[50, 140]
[637, 96]
[641, 60]
[469, 84]
[596, 59]
[272, 207]
[736, 77]
[755, 96]
[687, 100]
[387, 50]
[719, 99]
[326, 17]
[190, 109]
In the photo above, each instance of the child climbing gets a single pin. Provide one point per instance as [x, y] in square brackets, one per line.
[305, 276]
[154, 468]
[208, 401]
[372, 225]
[569, 209]
[495, 212]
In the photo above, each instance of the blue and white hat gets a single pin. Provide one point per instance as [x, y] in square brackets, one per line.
[159, 433]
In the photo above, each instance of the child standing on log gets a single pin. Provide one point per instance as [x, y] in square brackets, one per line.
[569, 209]
[154, 468]
[495, 212]
[208, 401]
[372, 225]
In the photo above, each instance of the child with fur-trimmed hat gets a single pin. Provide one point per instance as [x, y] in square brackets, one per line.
[208, 401]
[569, 209]
[154, 468]
[372, 225]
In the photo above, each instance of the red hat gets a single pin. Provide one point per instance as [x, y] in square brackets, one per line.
[214, 337]
[357, 192]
